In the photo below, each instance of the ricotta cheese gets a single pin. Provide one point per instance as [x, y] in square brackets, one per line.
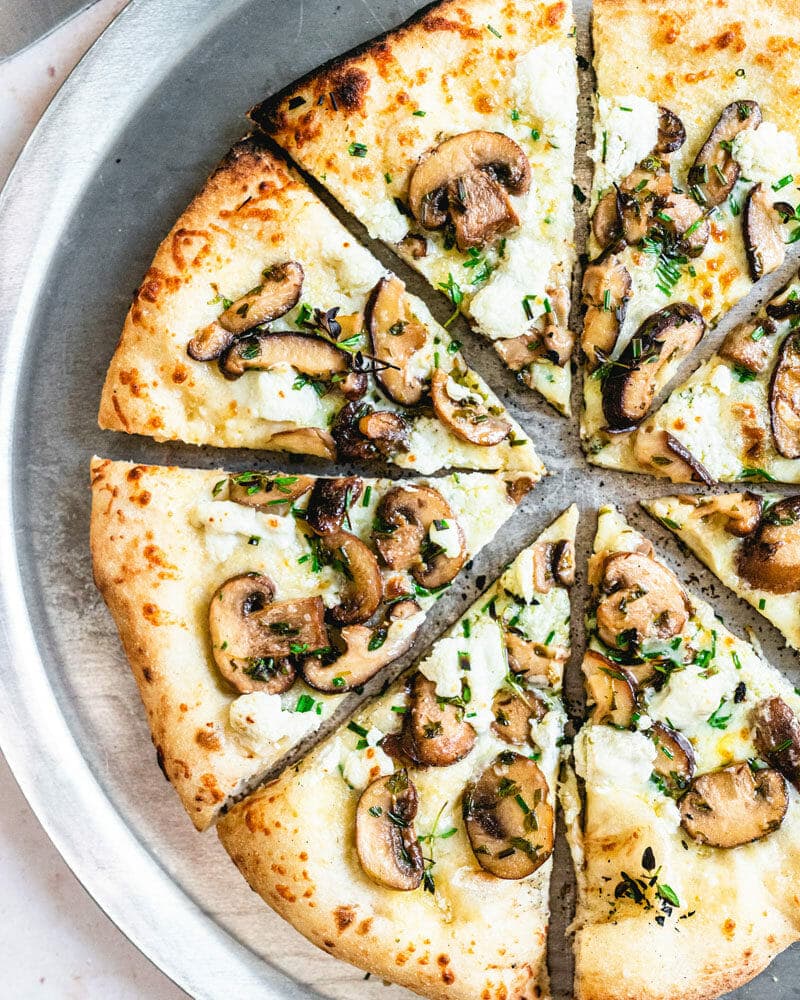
[226, 525]
[519, 576]
[544, 83]
[446, 537]
[271, 395]
[498, 307]
[360, 767]
[766, 154]
[260, 721]
[610, 759]
[626, 130]
[688, 699]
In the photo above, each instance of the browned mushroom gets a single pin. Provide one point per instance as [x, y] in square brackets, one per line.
[509, 817]
[741, 512]
[435, 732]
[253, 637]
[671, 133]
[606, 225]
[606, 289]
[669, 456]
[784, 398]
[330, 501]
[763, 241]
[267, 492]
[539, 663]
[275, 296]
[305, 441]
[747, 345]
[310, 355]
[413, 245]
[513, 714]
[715, 171]
[675, 759]
[642, 600]
[631, 383]
[785, 305]
[611, 690]
[557, 338]
[638, 198]
[386, 841]
[405, 517]
[682, 219]
[519, 352]
[777, 737]
[553, 565]
[362, 433]
[466, 180]
[396, 335]
[388, 432]
[467, 416]
[734, 806]
[770, 557]
[363, 588]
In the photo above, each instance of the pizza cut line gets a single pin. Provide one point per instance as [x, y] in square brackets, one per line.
[248, 604]
[693, 200]
[688, 846]
[451, 138]
[261, 323]
[437, 802]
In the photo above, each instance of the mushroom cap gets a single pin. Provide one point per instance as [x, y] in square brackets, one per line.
[770, 557]
[363, 589]
[669, 456]
[267, 493]
[386, 841]
[468, 417]
[675, 758]
[763, 241]
[305, 441]
[330, 501]
[777, 737]
[307, 353]
[513, 713]
[396, 335]
[740, 347]
[435, 732]
[715, 171]
[611, 689]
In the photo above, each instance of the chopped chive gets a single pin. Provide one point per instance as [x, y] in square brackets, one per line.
[357, 149]
[355, 728]
[420, 114]
[494, 31]
[782, 182]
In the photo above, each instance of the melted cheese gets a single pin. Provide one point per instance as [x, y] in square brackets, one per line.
[622, 138]
[765, 154]
[261, 721]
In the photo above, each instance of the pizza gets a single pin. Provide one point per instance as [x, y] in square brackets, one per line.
[747, 540]
[262, 323]
[688, 845]
[416, 841]
[694, 193]
[737, 418]
[248, 604]
[451, 138]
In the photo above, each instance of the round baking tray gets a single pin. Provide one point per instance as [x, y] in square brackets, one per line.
[129, 137]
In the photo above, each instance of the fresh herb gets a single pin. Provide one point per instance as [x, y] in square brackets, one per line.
[218, 487]
[454, 293]
[355, 728]
[377, 639]
[756, 473]
[305, 703]
[357, 149]
[494, 31]
[782, 182]
[718, 719]
[420, 114]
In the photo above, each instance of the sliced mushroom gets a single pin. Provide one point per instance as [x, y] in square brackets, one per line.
[396, 335]
[435, 732]
[553, 565]
[557, 338]
[770, 558]
[763, 240]
[683, 220]
[669, 455]
[741, 512]
[267, 493]
[330, 501]
[513, 714]
[388, 432]
[466, 180]
[308, 354]
[540, 664]
[519, 352]
[606, 225]
[386, 841]
[631, 383]
[253, 636]
[777, 737]
[784, 398]
[642, 600]
[414, 245]
[406, 515]
[715, 171]
[671, 133]
[305, 441]
[464, 413]
[734, 806]
[747, 345]
[362, 433]
[784, 306]
[675, 760]
[276, 295]
[363, 589]
[606, 290]
[509, 817]
[611, 689]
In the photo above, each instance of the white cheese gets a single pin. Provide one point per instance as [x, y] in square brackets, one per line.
[545, 734]
[688, 699]
[611, 760]
[488, 668]
[270, 395]
[261, 722]
[360, 767]
[544, 83]
[518, 578]
[441, 667]
[721, 379]
[457, 391]
[766, 154]
[384, 221]
[226, 525]
[622, 138]
[446, 538]
[498, 306]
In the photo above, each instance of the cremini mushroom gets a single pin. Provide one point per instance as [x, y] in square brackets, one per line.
[386, 841]
[396, 336]
[611, 690]
[553, 565]
[715, 171]
[675, 759]
[514, 712]
[463, 412]
[671, 133]
[784, 398]
[748, 346]
[777, 737]
[630, 384]
[638, 198]
[362, 433]
[404, 519]
[255, 638]
[641, 599]
[763, 240]
[310, 355]
[606, 290]
[770, 557]
[305, 441]
[668, 456]
[509, 817]
[786, 305]
[267, 492]
[735, 805]
[540, 664]
[435, 732]
[276, 295]
[466, 180]
[740, 512]
[414, 245]
[330, 501]
[363, 588]
[682, 219]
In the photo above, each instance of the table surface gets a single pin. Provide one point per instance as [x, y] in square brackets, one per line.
[41, 903]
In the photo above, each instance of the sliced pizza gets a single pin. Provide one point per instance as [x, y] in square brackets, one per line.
[451, 138]
[261, 323]
[249, 603]
[738, 416]
[748, 541]
[416, 841]
[688, 855]
[694, 192]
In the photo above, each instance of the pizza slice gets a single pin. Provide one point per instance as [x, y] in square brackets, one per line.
[416, 841]
[248, 604]
[748, 541]
[694, 193]
[451, 138]
[688, 855]
[261, 323]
